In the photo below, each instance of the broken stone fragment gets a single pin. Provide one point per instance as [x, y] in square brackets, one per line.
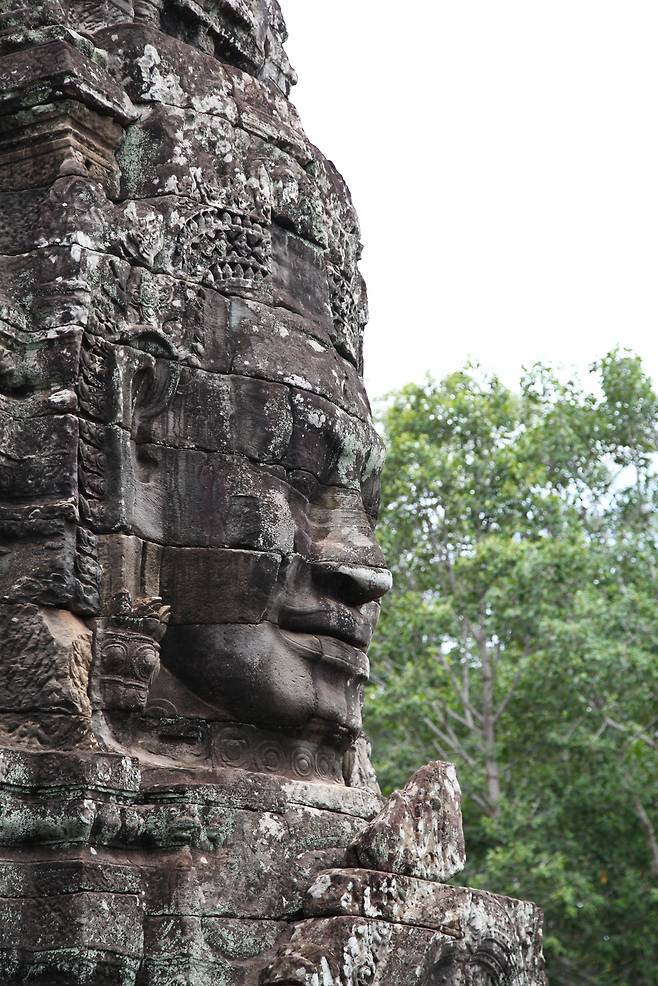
[419, 831]
[45, 660]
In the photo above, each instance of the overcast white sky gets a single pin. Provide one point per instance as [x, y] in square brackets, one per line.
[503, 157]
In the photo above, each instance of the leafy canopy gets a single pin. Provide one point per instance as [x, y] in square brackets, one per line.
[521, 642]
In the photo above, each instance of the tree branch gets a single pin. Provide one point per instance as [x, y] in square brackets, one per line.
[467, 705]
[451, 743]
[508, 697]
[635, 732]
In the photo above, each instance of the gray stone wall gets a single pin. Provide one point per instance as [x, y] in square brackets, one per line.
[189, 576]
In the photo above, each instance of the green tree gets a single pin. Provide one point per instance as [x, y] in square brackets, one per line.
[521, 642]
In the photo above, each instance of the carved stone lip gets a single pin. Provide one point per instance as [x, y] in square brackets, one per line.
[329, 650]
[339, 623]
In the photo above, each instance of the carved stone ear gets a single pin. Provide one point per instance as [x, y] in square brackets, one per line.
[154, 386]
[155, 379]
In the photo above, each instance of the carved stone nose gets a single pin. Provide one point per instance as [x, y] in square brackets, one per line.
[353, 584]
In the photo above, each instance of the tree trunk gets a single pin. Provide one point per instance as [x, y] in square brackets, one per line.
[492, 770]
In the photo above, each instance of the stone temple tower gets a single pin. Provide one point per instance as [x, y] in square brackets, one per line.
[189, 578]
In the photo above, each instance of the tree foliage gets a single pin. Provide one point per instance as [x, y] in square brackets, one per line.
[521, 642]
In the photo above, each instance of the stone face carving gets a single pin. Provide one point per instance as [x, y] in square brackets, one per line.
[189, 577]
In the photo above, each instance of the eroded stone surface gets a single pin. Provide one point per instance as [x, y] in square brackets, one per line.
[46, 660]
[189, 577]
[496, 940]
[419, 831]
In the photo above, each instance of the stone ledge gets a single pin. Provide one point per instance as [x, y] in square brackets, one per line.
[60, 69]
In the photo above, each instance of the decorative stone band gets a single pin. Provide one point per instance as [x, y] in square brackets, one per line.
[145, 877]
[34, 144]
[253, 749]
[82, 15]
[199, 743]
[107, 800]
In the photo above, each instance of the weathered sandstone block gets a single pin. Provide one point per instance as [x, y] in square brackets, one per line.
[189, 574]
[419, 831]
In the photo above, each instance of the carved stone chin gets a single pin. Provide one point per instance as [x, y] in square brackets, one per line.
[189, 574]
